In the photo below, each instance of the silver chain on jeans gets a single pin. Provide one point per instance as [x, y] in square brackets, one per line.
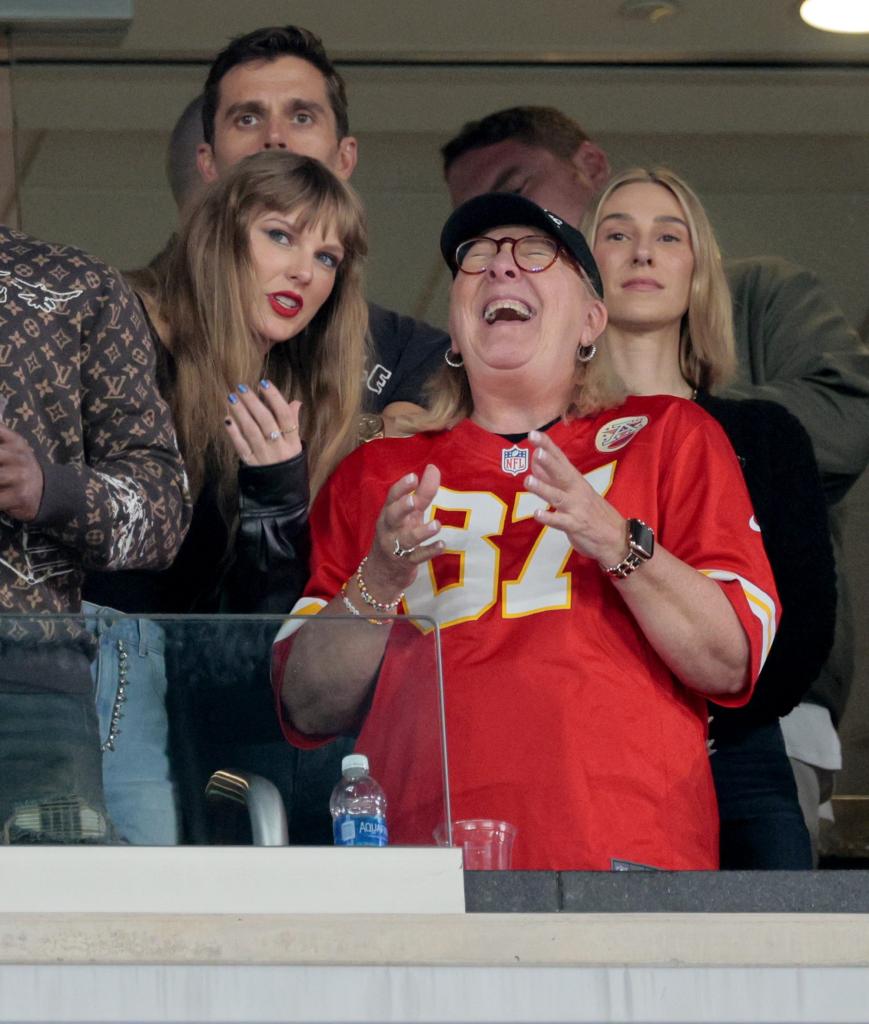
[120, 697]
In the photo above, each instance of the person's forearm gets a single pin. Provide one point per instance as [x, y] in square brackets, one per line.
[131, 512]
[332, 670]
[272, 546]
[117, 493]
[690, 623]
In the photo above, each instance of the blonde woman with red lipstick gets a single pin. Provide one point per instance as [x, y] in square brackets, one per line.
[262, 328]
[670, 332]
[266, 292]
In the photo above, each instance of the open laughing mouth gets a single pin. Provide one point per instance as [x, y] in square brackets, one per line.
[500, 310]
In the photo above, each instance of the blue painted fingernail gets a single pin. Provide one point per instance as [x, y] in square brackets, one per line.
[243, 388]
[264, 384]
[233, 399]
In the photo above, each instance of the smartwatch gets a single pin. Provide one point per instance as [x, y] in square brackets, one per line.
[641, 547]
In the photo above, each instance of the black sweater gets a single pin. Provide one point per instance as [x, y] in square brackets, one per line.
[783, 481]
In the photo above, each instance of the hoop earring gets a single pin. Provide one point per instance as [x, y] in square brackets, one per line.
[458, 364]
[585, 353]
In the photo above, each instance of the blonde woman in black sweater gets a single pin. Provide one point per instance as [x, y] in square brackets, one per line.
[670, 331]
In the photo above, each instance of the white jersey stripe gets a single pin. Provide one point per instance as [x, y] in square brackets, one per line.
[760, 604]
[304, 606]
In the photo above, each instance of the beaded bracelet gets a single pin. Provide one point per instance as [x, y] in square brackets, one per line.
[348, 604]
[383, 608]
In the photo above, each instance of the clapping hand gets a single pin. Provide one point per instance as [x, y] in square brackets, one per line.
[400, 535]
[592, 525]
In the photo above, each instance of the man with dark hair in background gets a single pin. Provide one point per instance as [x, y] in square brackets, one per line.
[793, 346]
[536, 151]
[275, 88]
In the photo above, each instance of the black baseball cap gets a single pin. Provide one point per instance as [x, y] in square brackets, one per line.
[495, 209]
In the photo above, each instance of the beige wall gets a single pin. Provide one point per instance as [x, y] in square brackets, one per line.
[8, 191]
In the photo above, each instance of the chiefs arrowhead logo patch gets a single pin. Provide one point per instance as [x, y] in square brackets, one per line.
[617, 433]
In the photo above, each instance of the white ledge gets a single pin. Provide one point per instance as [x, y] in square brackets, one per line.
[230, 880]
[439, 940]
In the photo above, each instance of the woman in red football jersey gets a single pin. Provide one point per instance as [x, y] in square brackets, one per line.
[589, 560]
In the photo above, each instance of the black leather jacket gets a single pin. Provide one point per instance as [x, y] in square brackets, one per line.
[269, 568]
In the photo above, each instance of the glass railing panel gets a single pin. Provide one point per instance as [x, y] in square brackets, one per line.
[114, 727]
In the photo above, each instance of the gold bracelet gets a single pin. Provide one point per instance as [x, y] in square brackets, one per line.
[383, 608]
[348, 604]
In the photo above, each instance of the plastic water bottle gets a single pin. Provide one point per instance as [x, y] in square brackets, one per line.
[358, 806]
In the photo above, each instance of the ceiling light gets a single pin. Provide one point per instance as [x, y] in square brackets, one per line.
[836, 15]
[648, 10]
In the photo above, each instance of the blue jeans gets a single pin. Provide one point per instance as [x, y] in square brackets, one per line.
[50, 782]
[137, 777]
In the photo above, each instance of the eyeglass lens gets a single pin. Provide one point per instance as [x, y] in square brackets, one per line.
[531, 252]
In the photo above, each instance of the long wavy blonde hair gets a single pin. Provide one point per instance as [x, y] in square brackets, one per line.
[206, 295]
[707, 350]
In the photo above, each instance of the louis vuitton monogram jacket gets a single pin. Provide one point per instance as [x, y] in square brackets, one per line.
[77, 383]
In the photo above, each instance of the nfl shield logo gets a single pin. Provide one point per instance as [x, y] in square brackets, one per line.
[514, 460]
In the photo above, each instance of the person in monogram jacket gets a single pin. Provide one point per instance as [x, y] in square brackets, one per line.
[90, 478]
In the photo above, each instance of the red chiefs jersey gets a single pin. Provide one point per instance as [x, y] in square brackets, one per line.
[560, 717]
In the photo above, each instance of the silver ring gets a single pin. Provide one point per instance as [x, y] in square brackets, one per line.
[403, 552]
[274, 435]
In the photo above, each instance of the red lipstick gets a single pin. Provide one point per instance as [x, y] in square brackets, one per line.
[286, 304]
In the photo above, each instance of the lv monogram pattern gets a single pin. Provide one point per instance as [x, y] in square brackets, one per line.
[77, 383]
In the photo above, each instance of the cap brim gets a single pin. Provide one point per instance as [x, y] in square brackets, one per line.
[498, 209]
[491, 210]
